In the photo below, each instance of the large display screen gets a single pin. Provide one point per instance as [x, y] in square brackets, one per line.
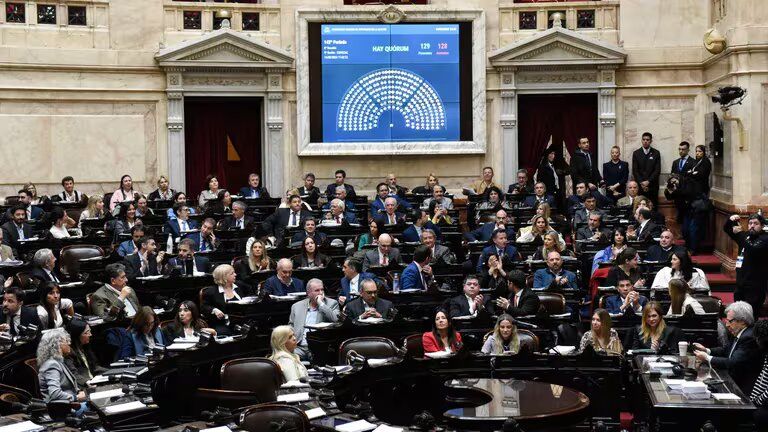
[389, 82]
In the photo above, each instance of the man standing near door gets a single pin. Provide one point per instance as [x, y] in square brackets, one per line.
[646, 168]
[584, 167]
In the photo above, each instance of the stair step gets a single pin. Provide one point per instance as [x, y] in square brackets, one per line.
[708, 260]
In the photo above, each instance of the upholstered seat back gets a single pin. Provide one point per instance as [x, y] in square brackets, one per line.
[69, 260]
[270, 417]
[553, 303]
[255, 374]
[368, 347]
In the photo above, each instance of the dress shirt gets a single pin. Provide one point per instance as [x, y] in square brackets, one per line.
[681, 164]
[205, 245]
[554, 172]
[353, 284]
[471, 301]
[14, 321]
[383, 259]
[59, 232]
[130, 311]
[516, 300]
[240, 223]
[20, 230]
[51, 275]
[293, 220]
[310, 319]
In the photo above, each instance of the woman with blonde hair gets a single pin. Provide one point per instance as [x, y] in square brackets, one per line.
[681, 299]
[602, 336]
[653, 333]
[551, 244]
[504, 339]
[214, 299]
[256, 261]
[539, 227]
[284, 344]
[94, 210]
[432, 180]
[163, 191]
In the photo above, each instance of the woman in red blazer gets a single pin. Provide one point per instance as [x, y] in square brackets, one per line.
[442, 335]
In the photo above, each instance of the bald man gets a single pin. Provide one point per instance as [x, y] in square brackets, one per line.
[383, 256]
[283, 282]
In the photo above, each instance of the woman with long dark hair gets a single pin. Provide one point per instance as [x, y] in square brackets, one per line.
[144, 333]
[187, 322]
[124, 192]
[626, 267]
[609, 254]
[53, 309]
[125, 220]
[701, 170]
[443, 337]
[310, 257]
[681, 299]
[602, 336]
[681, 267]
[82, 362]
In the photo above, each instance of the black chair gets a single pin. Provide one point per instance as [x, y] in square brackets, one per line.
[413, 346]
[69, 259]
[553, 303]
[258, 375]
[370, 347]
[528, 341]
[270, 417]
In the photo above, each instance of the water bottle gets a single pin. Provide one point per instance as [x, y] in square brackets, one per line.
[396, 283]
[169, 245]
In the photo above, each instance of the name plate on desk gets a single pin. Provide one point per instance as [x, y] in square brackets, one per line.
[130, 406]
[26, 426]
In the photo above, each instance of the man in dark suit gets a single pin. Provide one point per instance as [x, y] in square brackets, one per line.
[25, 201]
[627, 301]
[540, 196]
[485, 232]
[741, 357]
[14, 313]
[581, 216]
[277, 222]
[205, 240]
[646, 168]
[369, 305]
[521, 300]
[390, 215]
[182, 222]
[115, 298]
[471, 302]
[310, 230]
[751, 268]
[283, 282]
[647, 230]
[17, 228]
[44, 267]
[383, 256]
[523, 185]
[593, 231]
[684, 163]
[394, 188]
[584, 167]
[439, 254]
[353, 277]
[378, 206]
[338, 213]
[421, 222]
[500, 248]
[309, 192]
[615, 175]
[145, 262]
[414, 274]
[254, 188]
[341, 194]
[129, 246]
[239, 220]
[187, 261]
[663, 251]
[340, 176]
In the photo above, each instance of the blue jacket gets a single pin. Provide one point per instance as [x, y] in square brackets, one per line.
[345, 283]
[510, 254]
[613, 304]
[377, 205]
[485, 232]
[134, 344]
[126, 248]
[532, 201]
[195, 237]
[410, 235]
[246, 191]
[173, 228]
[543, 278]
[411, 278]
[273, 286]
[616, 173]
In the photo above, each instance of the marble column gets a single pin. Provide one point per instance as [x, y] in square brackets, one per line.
[274, 148]
[607, 114]
[508, 123]
[175, 124]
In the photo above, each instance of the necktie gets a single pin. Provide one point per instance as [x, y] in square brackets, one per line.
[589, 161]
[682, 162]
[384, 260]
[338, 220]
[500, 253]
[293, 218]
[240, 223]
[203, 243]
[516, 299]
[184, 226]
[11, 325]
[733, 347]
[391, 219]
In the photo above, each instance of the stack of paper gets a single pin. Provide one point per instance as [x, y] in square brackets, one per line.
[113, 409]
[106, 394]
[694, 390]
[293, 397]
[662, 367]
[356, 426]
[563, 349]
[726, 397]
[371, 320]
[315, 413]
[26, 426]
[295, 383]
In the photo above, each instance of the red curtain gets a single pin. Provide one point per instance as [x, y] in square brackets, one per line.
[207, 124]
[565, 117]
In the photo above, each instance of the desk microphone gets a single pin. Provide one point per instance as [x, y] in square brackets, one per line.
[523, 324]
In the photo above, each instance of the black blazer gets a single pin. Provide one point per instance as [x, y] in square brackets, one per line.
[649, 232]
[28, 316]
[300, 260]
[699, 173]
[213, 299]
[582, 172]
[133, 266]
[616, 173]
[459, 306]
[355, 308]
[585, 233]
[529, 304]
[42, 276]
[689, 162]
[744, 363]
[229, 223]
[546, 176]
[276, 222]
[311, 196]
[11, 236]
[202, 264]
[330, 191]
[646, 167]
[616, 272]
[670, 336]
[155, 195]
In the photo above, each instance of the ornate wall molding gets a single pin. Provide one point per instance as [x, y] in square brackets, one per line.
[557, 45]
[223, 81]
[556, 78]
[240, 52]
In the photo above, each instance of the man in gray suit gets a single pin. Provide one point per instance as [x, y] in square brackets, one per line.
[383, 256]
[314, 309]
[115, 297]
[440, 253]
[6, 253]
[369, 305]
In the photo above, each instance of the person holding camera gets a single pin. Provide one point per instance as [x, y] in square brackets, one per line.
[683, 191]
[751, 271]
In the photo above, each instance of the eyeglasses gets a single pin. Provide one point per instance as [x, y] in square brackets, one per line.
[731, 320]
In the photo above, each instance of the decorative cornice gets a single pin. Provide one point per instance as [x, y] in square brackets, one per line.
[555, 78]
[227, 47]
[558, 45]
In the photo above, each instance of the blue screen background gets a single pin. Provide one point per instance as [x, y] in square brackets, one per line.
[384, 82]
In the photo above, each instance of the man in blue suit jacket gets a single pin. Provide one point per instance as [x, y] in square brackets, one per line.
[485, 232]
[421, 221]
[25, 200]
[627, 300]
[338, 214]
[412, 277]
[282, 283]
[383, 192]
[390, 215]
[540, 196]
[174, 227]
[500, 247]
[129, 246]
[554, 278]
[254, 188]
[353, 276]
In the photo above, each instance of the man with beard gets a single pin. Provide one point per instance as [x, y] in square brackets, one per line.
[751, 271]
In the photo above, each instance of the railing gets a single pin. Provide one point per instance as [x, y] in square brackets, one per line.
[521, 20]
[55, 13]
[192, 16]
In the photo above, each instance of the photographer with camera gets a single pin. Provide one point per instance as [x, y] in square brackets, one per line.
[751, 271]
[684, 192]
